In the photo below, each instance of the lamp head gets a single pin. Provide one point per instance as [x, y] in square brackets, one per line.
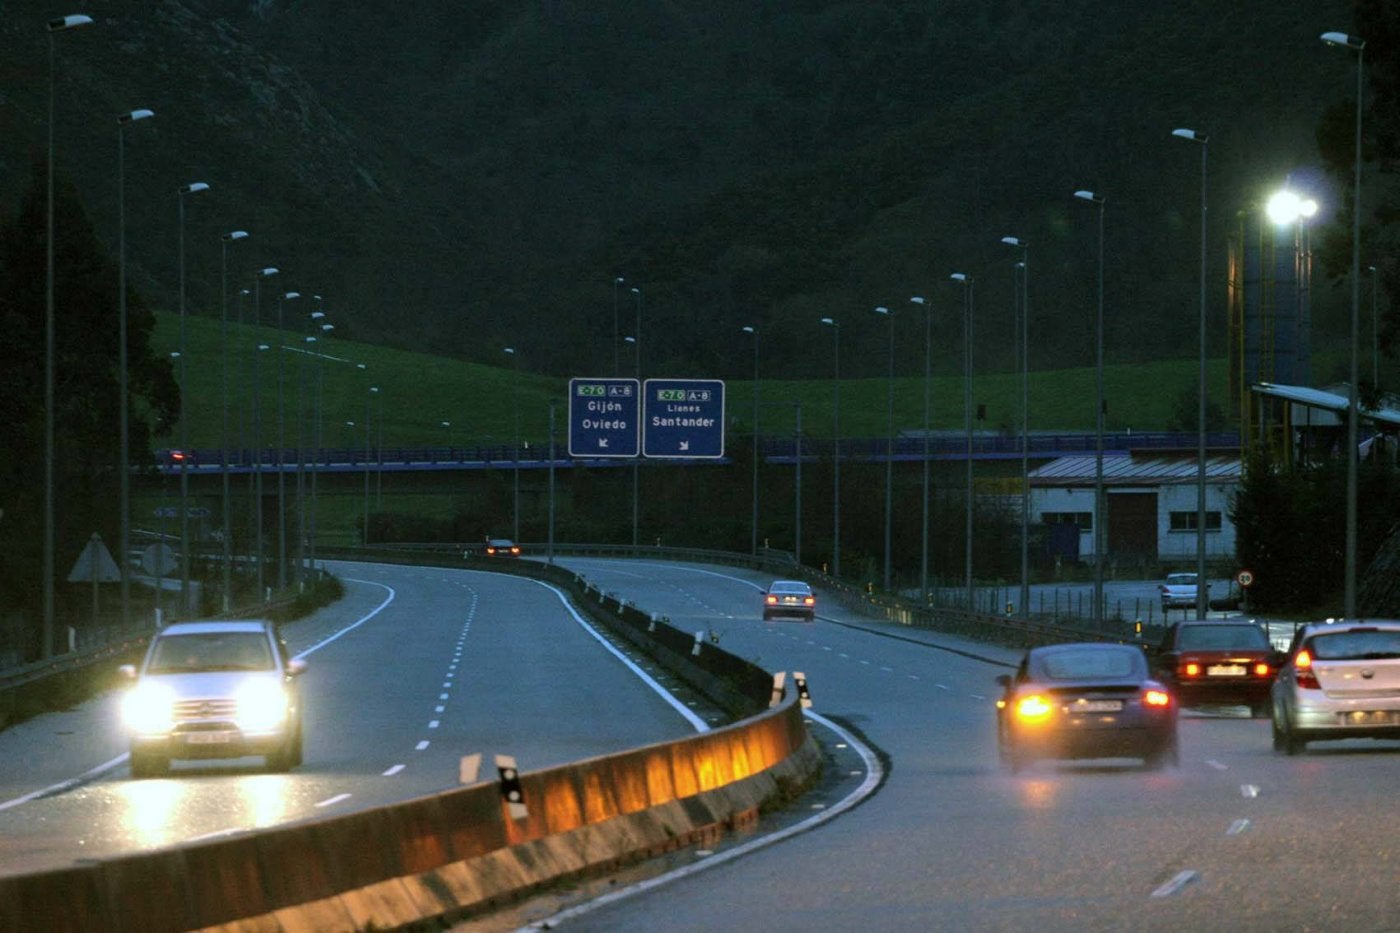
[235, 235]
[1088, 196]
[748, 329]
[194, 187]
[68, 22]
[134, 115]
[882, 310]
[1014, 241]
[270, 270]
[830, 321]
[1191, 135]
[1342, 39]
[917, 299]
[961, 277]
[290, 295]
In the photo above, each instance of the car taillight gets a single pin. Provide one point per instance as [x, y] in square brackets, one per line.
[1158, 698]
[1032, 707]
[809, 601]
[1303, 674]
[1190, 669]
[1262, 670]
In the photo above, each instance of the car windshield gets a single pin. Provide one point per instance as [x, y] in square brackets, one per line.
[1356, 645]
[211, 651]
[1205, 637]
[1091, 663]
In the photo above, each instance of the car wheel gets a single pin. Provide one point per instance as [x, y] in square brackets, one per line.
[1259, 711]
[1165, 755]
[1285, 739]
[285, 758]
[146, 764]
[296, 755]
[1013, 759]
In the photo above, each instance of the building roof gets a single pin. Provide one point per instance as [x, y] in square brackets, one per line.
[1127, 470]
[1325, 400]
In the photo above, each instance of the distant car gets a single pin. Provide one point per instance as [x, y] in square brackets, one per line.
[1341, 681]
[1218, 664]
[1179, 591]
[789, 598]
[1085, 700]
[214, 689]
[501, 547]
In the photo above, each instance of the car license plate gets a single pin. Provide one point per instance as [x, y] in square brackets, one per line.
[208, 738]
[1097, 706]
[1225, 670]
[1380, 717]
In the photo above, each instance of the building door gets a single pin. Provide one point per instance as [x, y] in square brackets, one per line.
[1132, 528]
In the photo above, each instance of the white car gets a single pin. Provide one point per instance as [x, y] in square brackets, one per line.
[1179, 591]
[1341, 681]
[214, 689]
[789, 598]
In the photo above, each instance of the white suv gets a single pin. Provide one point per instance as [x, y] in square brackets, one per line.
[214, 689]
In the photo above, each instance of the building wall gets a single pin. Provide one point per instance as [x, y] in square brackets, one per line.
[1172, 546]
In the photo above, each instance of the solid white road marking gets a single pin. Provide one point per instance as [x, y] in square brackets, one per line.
[336, 799]
[1249, 790]
[1237, 827]
[393, 771]
[1182, 879]
[1219, 766]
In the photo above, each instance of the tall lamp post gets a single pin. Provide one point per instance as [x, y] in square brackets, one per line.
[515, 457]
[928, 368]
[1375, 334]
[226, 519]
[260, 348]
[636, 461]
[314, 320]
[1358, 46]
[1023, 312]
[123, 403]
[50, 534]
[835, 446]
[753, 535]
[889, 450]
[281, 449]
[316, 442]
[192, 188]
[966, 280]
[1202, 595]
[1099, 511]
[616, 348]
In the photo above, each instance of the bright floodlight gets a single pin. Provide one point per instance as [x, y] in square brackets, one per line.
[1285, 208]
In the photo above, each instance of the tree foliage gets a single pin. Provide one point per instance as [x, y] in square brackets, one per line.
[86, 424]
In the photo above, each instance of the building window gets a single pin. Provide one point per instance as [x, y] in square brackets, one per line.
[1085, 520]
[1186, 521]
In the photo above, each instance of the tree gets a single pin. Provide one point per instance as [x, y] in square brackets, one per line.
[86, 434]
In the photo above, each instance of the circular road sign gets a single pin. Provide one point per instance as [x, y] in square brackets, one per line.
[1244, 578]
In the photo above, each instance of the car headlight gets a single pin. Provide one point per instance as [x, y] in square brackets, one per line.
[261, 706]
[149, 708]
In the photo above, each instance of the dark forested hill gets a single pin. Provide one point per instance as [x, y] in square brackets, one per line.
[465, 176]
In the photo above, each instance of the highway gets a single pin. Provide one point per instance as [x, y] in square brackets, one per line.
[413, 669]
[1236, 837]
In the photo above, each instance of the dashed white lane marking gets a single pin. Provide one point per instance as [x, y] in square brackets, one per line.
[393, 771]
[432, 724]
[333, 800]
[1217, 765]
[439, 709]
[1181, 880]
[1249, 790]
[977, 696]
[1237, 827]
[421, 745]
[943, 687]
[887, 670]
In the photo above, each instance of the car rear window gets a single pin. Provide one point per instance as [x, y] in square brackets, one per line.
[1181, 579]
[1206, 637]
[211, 651]
[1091, 663]
[1359, 645]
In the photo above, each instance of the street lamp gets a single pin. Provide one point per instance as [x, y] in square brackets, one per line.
[928, 366]
[313, 323]
[836, 447]
[124, 456]
[373, 392]
[320, 450]
[1099, 505]
[257, 422]
[226, 519]
[50, 535]
[889, 450]
[1375, 336]
[753, 538]
[617, 350]
[1202, 596]
[1023, 312]
[1359, 46]
[966, 280]
[192, 188]
[281, 451]
[636, 461]
[515, 458]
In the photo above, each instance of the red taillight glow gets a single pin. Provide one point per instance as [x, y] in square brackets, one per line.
[1262, 670]
[1032, 707]
[1303, 674]
[1156, 698]
[1191, 669]
[809, 601]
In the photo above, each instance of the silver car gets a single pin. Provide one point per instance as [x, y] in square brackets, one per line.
[214, 689]
[1341, 681]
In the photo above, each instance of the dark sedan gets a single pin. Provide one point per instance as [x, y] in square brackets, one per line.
[1219, 664]
[1087, 700]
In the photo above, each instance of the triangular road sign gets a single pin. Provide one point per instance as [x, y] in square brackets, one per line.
[95, 564]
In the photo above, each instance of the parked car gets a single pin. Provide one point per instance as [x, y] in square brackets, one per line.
[1341, 681]
[214, 689]
[1218, 663]
[1085, 700]
[1179, 591]
[789, 598]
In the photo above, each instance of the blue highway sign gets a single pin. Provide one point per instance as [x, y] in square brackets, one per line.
[683, 418]
[603, 417]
